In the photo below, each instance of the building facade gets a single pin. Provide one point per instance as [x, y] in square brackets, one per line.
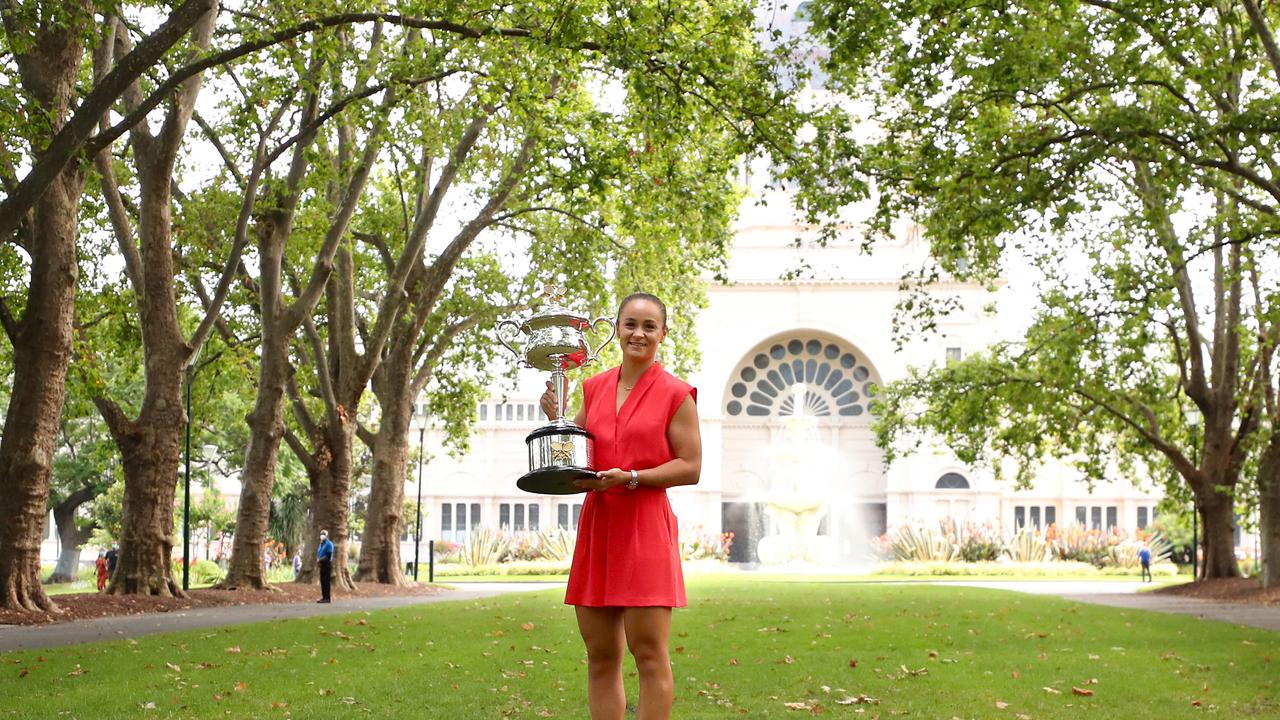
[777, 352]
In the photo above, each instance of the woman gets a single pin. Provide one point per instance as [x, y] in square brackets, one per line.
[626, 577]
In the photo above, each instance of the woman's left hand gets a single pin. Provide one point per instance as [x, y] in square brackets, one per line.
[605, 479]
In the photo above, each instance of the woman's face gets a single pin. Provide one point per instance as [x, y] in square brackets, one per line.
[640, 329]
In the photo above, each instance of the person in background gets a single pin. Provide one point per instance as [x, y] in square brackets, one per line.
[1144, 557]
[113, 556]
[297, 563]
[324, 555]
[101, 566]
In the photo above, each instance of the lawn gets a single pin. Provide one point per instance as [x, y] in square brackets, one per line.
[744, 647]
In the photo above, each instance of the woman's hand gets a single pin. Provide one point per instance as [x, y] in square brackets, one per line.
[605, 479]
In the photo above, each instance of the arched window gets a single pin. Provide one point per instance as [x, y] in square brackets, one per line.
[952, 481]
[836, 382]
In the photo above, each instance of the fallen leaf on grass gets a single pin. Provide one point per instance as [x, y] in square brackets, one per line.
[1081, 691]
[25, 672]
[1001, 705]
[527, 626]
[859, 700]
[733, 661]
[78, 671]
[797, 705]
[234, 650]
[278, 704]
[1053, 691]
[325, 691]
[147, 706]
[853, 663]
[175, 668]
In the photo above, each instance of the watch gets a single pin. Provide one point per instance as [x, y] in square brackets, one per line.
[634, 482]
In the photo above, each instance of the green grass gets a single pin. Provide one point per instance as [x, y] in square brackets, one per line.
[742, 648]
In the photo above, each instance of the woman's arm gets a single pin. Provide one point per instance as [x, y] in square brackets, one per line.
[683, 469]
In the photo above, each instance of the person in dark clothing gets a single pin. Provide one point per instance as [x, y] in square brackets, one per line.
[324, 555]
[113, 556]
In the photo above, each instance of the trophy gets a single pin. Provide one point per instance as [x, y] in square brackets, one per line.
[554, 339]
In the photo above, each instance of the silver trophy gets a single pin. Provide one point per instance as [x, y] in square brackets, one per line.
[554, 339]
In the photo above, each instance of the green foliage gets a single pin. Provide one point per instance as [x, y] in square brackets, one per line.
[202, 573]
[697, 544]
[922, 544]
[514, 568]
[484, 546]
[1027, 546]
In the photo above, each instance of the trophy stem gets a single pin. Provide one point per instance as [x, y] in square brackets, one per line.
[558, 381]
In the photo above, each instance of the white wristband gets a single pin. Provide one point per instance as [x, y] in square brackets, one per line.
[635, 480]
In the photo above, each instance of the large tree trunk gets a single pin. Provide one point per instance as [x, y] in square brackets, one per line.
[330, 493]
[70, 536]
[1269, 510]
[151, 454]
[42, 338]
[1217, 516]
[266, 428]
[380, 559]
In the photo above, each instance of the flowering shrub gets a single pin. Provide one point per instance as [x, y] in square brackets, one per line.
[1082, 544]
[949, 542]
[698, 545]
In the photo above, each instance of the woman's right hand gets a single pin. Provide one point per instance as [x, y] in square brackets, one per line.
[548, 402]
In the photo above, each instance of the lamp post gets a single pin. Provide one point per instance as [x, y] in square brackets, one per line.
[186, 491]
[1193, 419]
[417, 524]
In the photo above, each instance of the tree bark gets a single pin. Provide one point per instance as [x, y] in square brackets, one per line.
[380, 559]
[71, 536]
[42, 338]
[266, 428]
[1269, 511]
[1217, 518]
[330, 492]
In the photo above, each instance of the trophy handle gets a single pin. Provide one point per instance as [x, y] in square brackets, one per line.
[613, 331]
[507, 344]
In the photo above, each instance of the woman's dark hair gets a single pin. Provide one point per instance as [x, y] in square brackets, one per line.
[644, 296]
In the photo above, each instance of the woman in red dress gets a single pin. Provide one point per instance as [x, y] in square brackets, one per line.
[626, 577]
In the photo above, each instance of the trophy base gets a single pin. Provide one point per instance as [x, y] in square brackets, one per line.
[554, 480]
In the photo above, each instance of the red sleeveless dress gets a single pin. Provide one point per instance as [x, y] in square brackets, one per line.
[628, 548]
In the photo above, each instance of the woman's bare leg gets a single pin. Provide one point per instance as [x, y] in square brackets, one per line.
[601, 630]
[647, 630]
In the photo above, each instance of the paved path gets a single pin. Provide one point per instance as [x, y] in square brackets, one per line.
[31, 637]
[1122, 594]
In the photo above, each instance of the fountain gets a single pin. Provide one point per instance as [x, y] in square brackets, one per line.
[799, 492]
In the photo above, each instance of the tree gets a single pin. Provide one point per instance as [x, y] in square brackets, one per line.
[46, 43]
[1029, 125]
[608, 201]
[151, 443]
[522, 99]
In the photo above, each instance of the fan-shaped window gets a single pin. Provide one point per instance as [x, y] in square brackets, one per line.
[952, 481]
[836, 382]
